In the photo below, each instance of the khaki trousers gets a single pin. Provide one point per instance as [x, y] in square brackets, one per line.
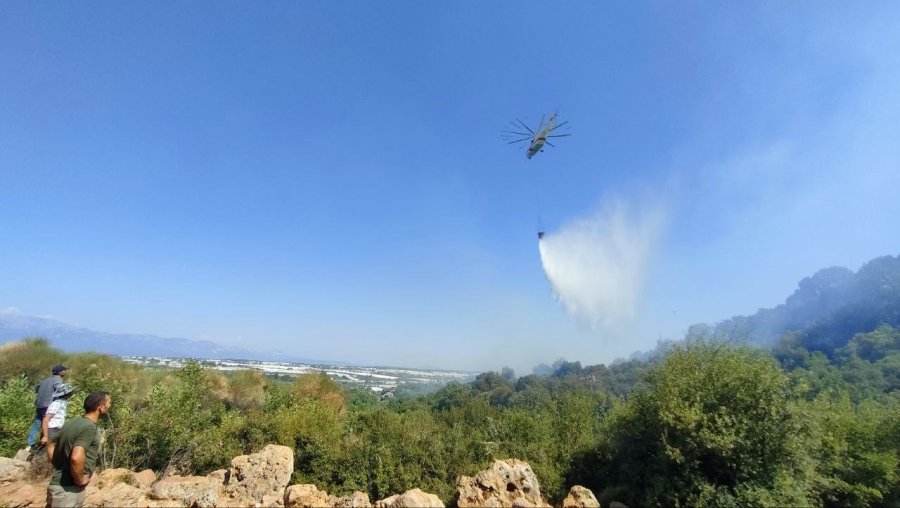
[59, 497]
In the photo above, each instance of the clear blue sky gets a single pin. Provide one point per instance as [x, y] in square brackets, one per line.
[328, 178]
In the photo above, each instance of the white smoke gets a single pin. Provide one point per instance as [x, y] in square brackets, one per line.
[596, 265]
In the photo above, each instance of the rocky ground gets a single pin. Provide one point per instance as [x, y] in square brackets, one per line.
[262, 479]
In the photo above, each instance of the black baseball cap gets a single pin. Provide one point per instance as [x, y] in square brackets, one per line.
[59, 368]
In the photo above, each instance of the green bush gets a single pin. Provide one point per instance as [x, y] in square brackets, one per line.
[713, 424]
[33, 357]
[16, 414]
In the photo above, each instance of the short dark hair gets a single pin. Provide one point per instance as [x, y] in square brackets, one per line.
[93, 401]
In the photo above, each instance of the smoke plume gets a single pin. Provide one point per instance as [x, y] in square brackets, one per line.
[596, 264]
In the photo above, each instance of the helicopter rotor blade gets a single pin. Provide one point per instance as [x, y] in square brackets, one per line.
[558, 135]
[519, 140]
[551, 144]
[527, 128]
[558, 126]
[519, 133]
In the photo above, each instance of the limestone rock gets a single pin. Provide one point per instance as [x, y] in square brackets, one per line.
[220, 475]
[145, 478]
[266, 473]
[580, 497]
[271, 501]
[508, 482]
[198, 491]
[356, 500]
[22, 455]
[12, 470]
[110, 477]
[414, 498]
[115, 495]
[305, 496]
[21, 494]
[387, 502]
[122, 487]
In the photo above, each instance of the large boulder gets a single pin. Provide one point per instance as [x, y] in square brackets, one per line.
[261, 475]
[120, 487]
[145, 478]
[580, 497]
[110, 477]
[309, 496]
[115, 495]
[414, 498]
[305, 496]
[23, 494]
[509, 482]
[117, 487]
[355, 500]
[13, 470]
[195, 491]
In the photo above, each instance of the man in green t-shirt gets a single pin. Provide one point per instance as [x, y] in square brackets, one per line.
[75, 456]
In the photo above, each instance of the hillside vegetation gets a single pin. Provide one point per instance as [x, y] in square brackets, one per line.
[825, 311]
[705, 425]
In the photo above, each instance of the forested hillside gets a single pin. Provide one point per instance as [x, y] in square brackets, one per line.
[825, 311]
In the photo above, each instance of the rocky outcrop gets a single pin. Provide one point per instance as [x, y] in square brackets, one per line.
[261, 480]
[115, 495]
[580, 497]
[508, 482]
[261, 477]
[355, 500]
[193, 491]
[116, 487]
[308, 496]
[414, 498]
[305, 496]
[23, 494]
[12, 470]
[145, 478]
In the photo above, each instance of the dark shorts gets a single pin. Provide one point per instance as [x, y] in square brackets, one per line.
[53, 434]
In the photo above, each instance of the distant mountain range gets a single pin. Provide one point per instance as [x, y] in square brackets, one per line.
[824, 312]
[15, 325]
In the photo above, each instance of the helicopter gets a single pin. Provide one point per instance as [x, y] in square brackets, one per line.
[536, 140]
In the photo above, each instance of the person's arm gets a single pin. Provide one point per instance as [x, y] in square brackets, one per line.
[76, 467]
[45, 431]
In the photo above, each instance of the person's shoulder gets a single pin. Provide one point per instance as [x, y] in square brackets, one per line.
[81, 423]
[82, 426]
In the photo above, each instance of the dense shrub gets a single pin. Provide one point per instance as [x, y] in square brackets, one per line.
[33, 357]
[713, 426]
[16, 414]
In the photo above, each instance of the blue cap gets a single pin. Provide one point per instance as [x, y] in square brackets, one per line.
[59, 368]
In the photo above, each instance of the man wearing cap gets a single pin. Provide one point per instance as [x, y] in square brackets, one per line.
[44, 397]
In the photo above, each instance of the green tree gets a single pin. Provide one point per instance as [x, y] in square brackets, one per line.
[855, 449]
[713, 427]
